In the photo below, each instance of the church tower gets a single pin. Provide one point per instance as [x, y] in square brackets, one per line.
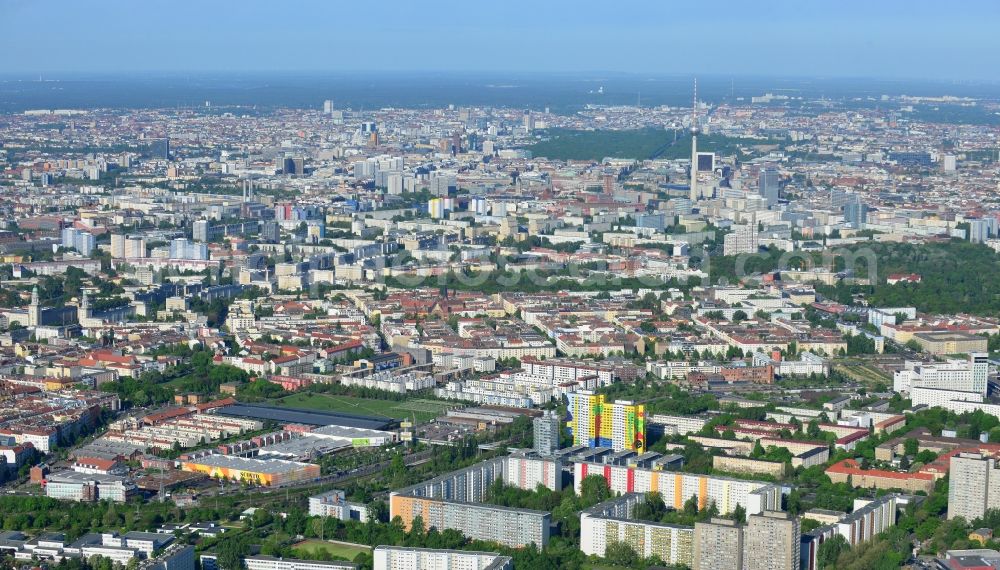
[34, 309]
[84, 313]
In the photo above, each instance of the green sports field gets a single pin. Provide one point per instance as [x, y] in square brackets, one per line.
[345, 550]
[422, 409]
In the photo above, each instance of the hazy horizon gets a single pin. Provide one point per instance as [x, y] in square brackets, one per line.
[561, 92]
[583, 74]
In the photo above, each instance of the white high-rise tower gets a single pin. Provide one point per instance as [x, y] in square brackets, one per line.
[694, 144]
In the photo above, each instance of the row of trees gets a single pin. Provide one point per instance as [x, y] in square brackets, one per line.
[35, 514]
[195, 373]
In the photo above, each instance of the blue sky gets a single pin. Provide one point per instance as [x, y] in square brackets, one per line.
[874, 38]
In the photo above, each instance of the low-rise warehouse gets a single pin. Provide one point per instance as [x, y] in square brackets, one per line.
[266, 472]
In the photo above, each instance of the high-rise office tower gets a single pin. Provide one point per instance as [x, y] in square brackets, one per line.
[973, 486]
[856, 213]
[248, 190]
[838, 198]
[979, 230]
[546, 433]
[768, 184]
[980, 362]
[183, 248]
[135, 246]
[117, 246]
[706, 161]
[529, 121]
[949, 162]
[609, 183]
[772, 541]
[328, 106]
[270, 231]
[200, 230]
[81, 241]
[718, 545]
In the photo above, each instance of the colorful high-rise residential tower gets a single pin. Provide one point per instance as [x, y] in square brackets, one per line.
[595, 422]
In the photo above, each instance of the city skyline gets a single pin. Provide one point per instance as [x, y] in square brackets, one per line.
[399, 286]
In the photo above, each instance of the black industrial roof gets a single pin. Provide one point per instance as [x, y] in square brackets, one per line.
[304, 416]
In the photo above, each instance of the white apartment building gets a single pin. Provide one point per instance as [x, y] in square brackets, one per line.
[493, 393]
[334, 504]
[117, 555]
[953, 400]
[940, 397]
[772, 541]
[973, 486]
[676, 488]
[612, 521]
[718, 545]
[869, 518]
[271, 563]
[960, 375]
[390, 381]
[528, 471]
[560, 370]
[42, 439]
[241, 317]
[678, 425]
[743, 239]
[404, 558]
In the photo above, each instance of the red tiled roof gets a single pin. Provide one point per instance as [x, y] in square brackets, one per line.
[851, 467]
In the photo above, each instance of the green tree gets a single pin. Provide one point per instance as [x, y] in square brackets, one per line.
[231, 552]
[261, 518]
[594, 489]
[621, 554]
[691, 506]
[652, 509]
[830, 551]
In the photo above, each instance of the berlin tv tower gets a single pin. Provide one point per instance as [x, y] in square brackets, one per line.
[694, 145]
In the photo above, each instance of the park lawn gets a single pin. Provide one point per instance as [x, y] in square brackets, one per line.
[422, 409]
[862, 372]
[345, 550]
[175, 383]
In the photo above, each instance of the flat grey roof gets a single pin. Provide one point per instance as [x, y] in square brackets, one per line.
[271, 466]
[68, 476]
[302, 446]
[304, 416]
